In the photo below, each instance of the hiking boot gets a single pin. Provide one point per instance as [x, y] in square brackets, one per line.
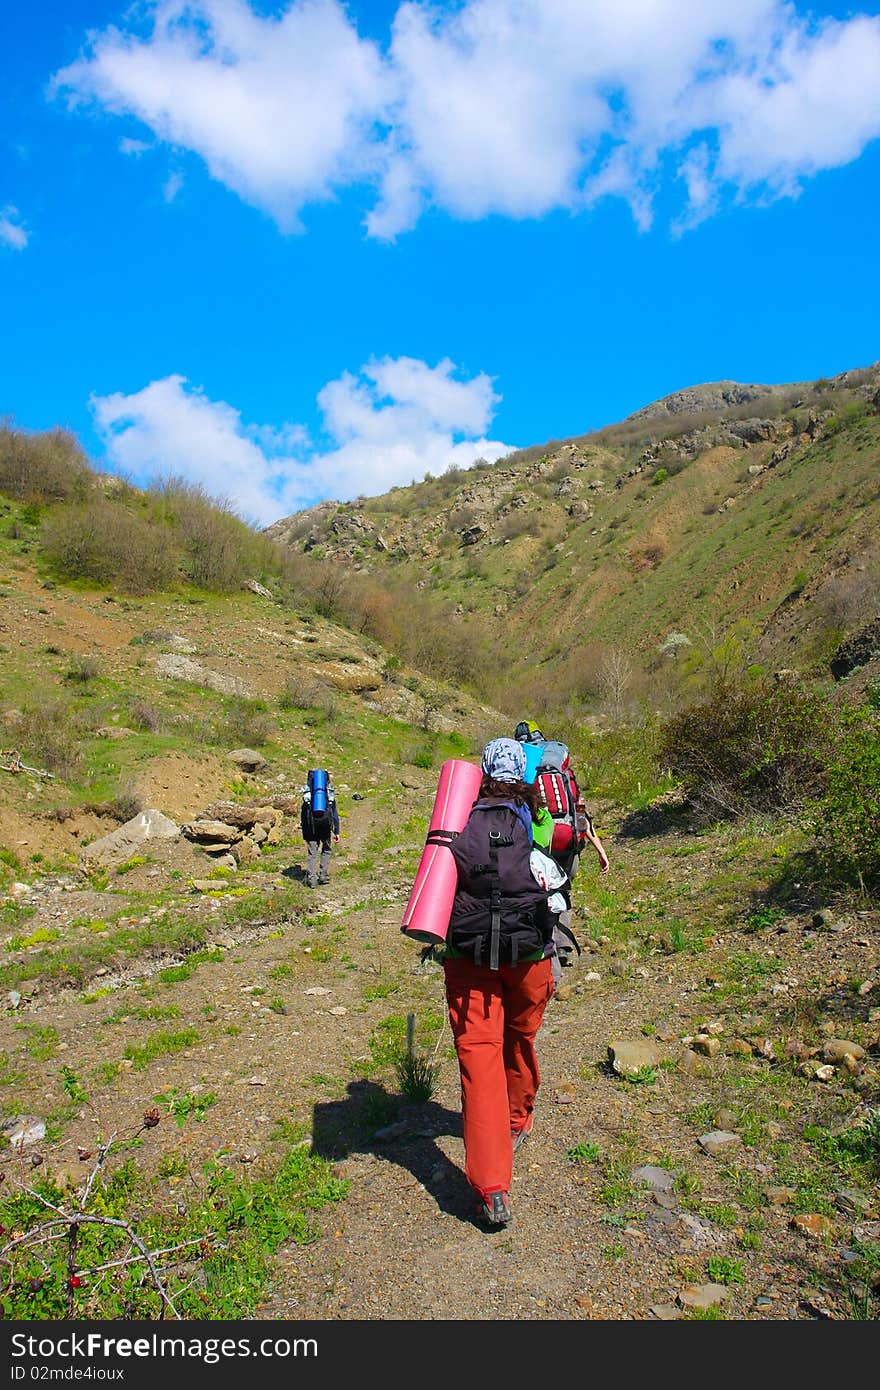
[323, 878]
[519, 1136]
[311, 881]
[495, 1208]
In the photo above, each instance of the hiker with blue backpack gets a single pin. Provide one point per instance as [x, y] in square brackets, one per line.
[499, 976]
[562, 826]
[319, 821]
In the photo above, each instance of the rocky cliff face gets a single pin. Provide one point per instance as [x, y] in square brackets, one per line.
[713, 396]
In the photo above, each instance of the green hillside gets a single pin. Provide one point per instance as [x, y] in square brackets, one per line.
[699, 516]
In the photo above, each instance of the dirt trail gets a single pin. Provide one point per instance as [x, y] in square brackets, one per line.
[284, 1023]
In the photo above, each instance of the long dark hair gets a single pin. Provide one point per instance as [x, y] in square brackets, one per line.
[523, 793]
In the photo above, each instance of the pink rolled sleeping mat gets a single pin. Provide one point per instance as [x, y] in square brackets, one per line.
[430, 903]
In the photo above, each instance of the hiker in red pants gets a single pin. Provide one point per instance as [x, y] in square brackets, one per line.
[499, 977]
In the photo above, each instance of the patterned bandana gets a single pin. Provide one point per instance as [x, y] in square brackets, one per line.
[504, 760]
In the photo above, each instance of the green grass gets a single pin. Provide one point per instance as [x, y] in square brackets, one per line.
[172, 1166]
[173, 974]
[40, 1042]
[74, 962]
[40, 937]
[161, 1044]
[73, 1088]
[417, 1076]
[380, 991]
[721, 1213]
[642, 1076]
[153, 1013]
[8, 1075]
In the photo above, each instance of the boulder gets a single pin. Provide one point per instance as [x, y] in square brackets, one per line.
[248, 759]
[127, 839]
[627, 1058]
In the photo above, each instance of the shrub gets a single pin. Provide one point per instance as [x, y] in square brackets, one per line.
[846, 817]
[305, 691]
[46, 735]
[417, 1076]
[127, 803]
[247, 722]
[106, 543]
[462, 517]
[749, 746]
[521, 522]
[219, 550]
[44, 467]
[82, 670]
[851, 414]
[144, 716]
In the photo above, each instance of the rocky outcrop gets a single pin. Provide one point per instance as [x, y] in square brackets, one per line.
[857, 650]
[225, 829]
[182, 668]
[256, 588]
[712, 396]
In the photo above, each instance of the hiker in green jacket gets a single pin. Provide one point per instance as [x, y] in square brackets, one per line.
[529, 735]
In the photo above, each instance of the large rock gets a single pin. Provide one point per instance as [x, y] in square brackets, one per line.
[627, 1058]
[130, 837]
[24, 1130]
[212, 831]
[248, 759]
[257, 588]
[719, 1141]
[863, 646]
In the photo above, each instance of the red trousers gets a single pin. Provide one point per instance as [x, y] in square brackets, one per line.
[495, 1015]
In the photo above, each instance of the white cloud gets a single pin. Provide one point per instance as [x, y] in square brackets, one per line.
[391, 423]
[280, 109]
[509, 107]
[128, 145]
[701, 189]
[172, 187]
[816, 105]
[12, 232]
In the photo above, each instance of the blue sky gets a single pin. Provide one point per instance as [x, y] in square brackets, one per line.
[300, 250]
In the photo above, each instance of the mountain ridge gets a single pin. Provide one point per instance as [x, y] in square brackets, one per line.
[665, 523]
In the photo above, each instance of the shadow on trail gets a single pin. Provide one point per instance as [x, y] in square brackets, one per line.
[372, 1120]
[653, 822]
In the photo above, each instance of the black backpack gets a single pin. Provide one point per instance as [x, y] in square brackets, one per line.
[316, 825]
[500, 913]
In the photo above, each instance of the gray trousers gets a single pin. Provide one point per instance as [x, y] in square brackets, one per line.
[565, 954]
[325, 849]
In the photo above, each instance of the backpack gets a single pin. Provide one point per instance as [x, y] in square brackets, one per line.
[559, 793]
[317, 796]
[557, 883]
[500, 914]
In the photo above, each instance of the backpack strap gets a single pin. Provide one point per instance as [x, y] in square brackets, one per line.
[496, 841]
[567, 931]
[440, 837]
